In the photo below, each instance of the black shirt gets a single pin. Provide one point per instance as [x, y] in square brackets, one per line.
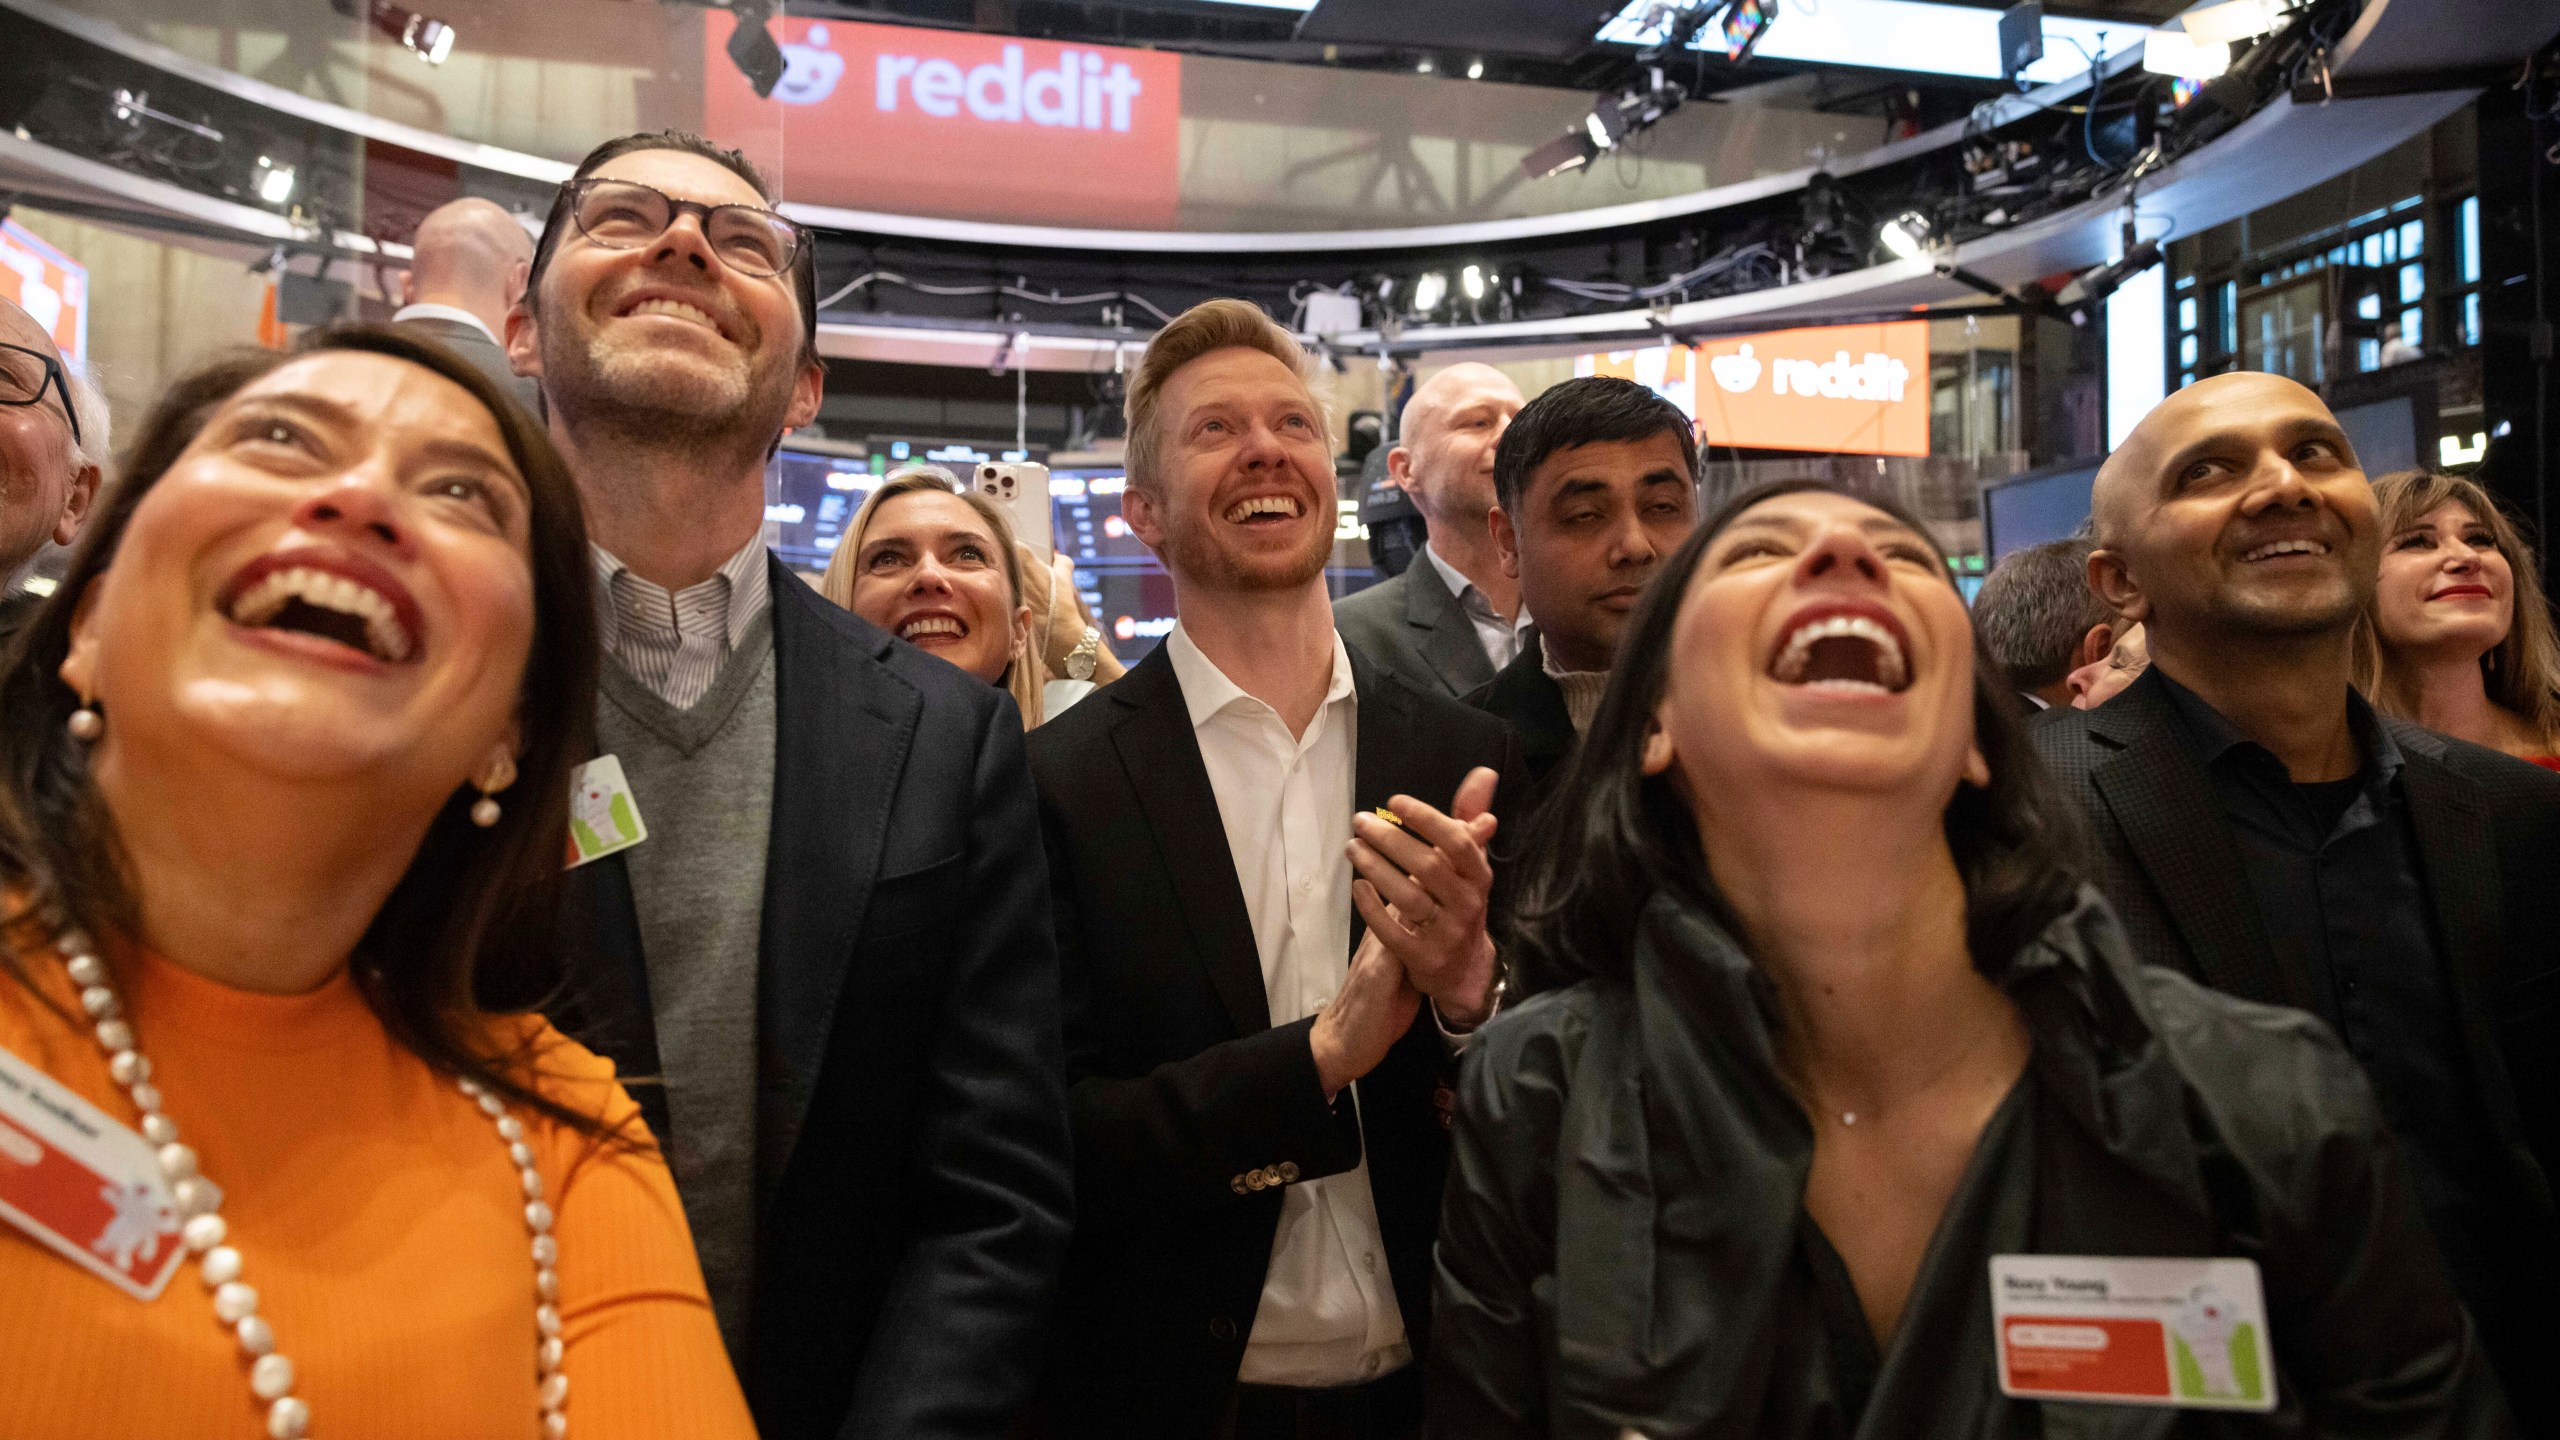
[2333, 866]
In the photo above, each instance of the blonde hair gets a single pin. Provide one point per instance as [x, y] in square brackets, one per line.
[2522, 671]
[1209, 326]
[1025, 674]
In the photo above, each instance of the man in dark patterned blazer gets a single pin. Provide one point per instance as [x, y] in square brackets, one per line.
[2263, 829]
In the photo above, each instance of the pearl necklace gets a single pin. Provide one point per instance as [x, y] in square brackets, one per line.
[203, 1230]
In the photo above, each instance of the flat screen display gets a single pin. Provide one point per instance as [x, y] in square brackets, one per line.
[2030, 509]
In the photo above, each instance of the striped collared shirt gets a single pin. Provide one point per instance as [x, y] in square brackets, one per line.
[675, 642]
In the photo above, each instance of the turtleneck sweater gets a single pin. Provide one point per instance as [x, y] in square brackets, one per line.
[379, 1218]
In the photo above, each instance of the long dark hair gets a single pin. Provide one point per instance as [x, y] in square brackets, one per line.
[473, 915]
[1591, 861]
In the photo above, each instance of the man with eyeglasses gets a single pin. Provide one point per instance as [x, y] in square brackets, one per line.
[834, 943]
[53, 446]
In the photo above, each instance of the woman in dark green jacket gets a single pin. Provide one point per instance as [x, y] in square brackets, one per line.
[1830, 1024]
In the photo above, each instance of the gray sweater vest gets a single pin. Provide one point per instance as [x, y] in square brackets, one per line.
[703, 781]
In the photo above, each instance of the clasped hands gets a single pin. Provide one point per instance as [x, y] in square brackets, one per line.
[1424, 888]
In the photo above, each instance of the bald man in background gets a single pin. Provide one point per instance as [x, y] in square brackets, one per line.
[2266, 831]
[471, 263]
[1452, 618]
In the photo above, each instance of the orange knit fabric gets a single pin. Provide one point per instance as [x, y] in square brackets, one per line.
[378, 1216]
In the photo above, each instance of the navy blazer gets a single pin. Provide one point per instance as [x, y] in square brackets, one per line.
[913, 1181]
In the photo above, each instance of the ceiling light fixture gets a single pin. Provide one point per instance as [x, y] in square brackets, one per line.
[1471, 280]
[752, 47]
[1475, 69]
[275, 182]
[1906, 235]
[424, 36]
[1429, 291]
[2232, 21]
[2174, 52]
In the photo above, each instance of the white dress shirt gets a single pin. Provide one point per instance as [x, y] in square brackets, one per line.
[1500, 638]
[429, 310]
[1328, 1315]
[675, 641]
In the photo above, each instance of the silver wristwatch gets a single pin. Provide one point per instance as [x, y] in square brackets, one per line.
[1082, 659]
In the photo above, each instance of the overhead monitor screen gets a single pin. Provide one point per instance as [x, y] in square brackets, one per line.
[809, 499]
[2041, 505]
[1127, 590]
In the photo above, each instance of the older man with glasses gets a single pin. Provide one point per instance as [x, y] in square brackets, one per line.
[833, 945]
[53, 447]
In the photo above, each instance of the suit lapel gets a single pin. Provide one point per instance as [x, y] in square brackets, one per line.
[1160, 757]
[607, 1005]
[1450, 643]
[842, 727]
[2458, 861]
[2163, 804]
[1385, 762]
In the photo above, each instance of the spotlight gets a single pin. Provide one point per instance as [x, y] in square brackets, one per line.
[1429, 291]
[424, 36]
[1426, 67]
[2174, 52]
[1471, 280]
[1906, 235]
[1475, 69]
[752, 47]
[2100, 281]
[1569, 151]
[275, 182]
[2233, 21]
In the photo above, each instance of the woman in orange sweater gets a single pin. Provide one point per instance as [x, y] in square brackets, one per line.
[284, 772]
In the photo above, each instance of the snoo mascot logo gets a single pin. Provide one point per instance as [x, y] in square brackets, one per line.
[809, 70]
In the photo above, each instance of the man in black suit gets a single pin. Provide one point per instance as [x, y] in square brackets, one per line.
[1597, 481]
[468, 269]
[1260, 1149]
[834, 943]
[1452, 618]
[2265, 830]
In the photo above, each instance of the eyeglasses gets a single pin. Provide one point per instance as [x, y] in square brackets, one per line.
[26, 374]
[627, 215]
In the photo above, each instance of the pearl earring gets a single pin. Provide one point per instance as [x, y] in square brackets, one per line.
[86, 724]
[484, 811]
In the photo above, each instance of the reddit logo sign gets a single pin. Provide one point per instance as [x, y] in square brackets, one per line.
[809, 70]
[1846, 389]
[946, 123]
[1736, 372]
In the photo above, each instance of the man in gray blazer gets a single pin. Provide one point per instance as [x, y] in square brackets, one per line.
[470, 266]
[1452, 618]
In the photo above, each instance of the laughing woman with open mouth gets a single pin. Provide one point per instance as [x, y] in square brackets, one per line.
[284, 776]
[1828, 1025]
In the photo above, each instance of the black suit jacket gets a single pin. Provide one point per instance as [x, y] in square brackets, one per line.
[1183, 1092]
[484, 355]
[913, 1182]
[2487, 830]
[1416, 630]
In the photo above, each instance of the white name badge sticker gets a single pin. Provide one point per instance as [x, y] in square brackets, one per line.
[84, 1185]
[603, 818]
[2139, 1332]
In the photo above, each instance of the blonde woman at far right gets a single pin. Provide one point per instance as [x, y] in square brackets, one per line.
[2458, 637]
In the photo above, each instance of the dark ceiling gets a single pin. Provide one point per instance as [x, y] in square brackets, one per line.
[1523, 42]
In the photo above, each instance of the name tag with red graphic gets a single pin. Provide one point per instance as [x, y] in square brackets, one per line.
[84, 1185]
[2132, 1331]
